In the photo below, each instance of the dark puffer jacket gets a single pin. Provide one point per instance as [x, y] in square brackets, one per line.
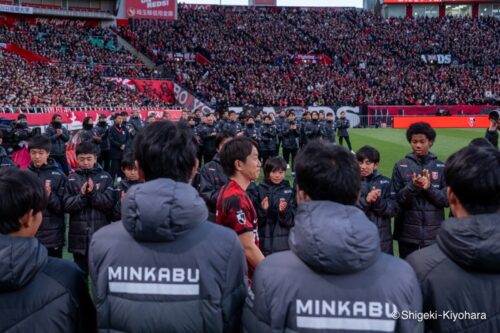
[166, 269]
[268, 137]
[382, 210]
[41, 294]
[274, 226]
[462, 273]
[120, 190]
[88, 212]
[90, 135]
[212, 178]
[118, 136]
[5, 161]
[421, 211]
[312, 130]
[334, 278]
[492, 136]
[342, 124]
[328, 131]
[58, 141]
[51, 231]
[102, 130]
[290, 136]
[207, 135]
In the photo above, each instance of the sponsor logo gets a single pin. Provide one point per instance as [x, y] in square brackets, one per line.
[403, 165]
[240, 216]
[345, 315]
[154, 280]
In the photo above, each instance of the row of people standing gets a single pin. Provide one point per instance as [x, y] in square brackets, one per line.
[285, 133]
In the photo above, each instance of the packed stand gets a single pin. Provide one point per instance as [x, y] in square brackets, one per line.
[374, 60]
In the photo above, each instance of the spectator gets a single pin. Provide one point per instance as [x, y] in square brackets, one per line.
[335, 256]
[343, 124]
[467, 247]
[200, 286]
[47, 293]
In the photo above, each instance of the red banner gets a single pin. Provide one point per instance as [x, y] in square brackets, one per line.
[152, 9]
[444, 122]
[158, 89]
[265, 2]
[75, 118]
[25, 54]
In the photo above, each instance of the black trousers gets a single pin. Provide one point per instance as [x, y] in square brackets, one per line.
[405, 249]
[115, 169]
[266, 154]
[286, 155]
[104, 160]
[346, 140]
[63, 162]
[82, 262]
[55, 252]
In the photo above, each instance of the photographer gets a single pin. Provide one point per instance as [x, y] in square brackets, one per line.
[492, 131]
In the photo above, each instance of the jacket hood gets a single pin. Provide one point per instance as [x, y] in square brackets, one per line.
[20, 260]
[334, 238]
[472, 242]
[162, 210]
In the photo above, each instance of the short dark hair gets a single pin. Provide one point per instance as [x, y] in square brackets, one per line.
[86, 148]
[275, 163]
[473, 174]
[86, 120]
[268, 117]
[368, 152]
[128, 161]
[55, 116]
[237, 149]
[40, 142]
[328, 172]
[164, 149]
[480, 142]
[124, 114]
[20, 192]
[221, 137]
[421, 128]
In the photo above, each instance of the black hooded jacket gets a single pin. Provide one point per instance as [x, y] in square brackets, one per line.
[5, 161]
[212, 178]
[334, 277]
[89, 212]
[382, 210]
[461, 273]
[164, 268]
[421, 211]
[39, 293]
[51, 231]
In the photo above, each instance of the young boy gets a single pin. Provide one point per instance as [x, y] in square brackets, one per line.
[5, 161]
[51, 232]
[374, 198]
[89, 198]
[131, 173]
[420, 190]
[240, 160]
[275, 203]
[37, 293]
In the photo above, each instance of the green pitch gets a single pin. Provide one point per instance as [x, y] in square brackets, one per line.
[393, 146]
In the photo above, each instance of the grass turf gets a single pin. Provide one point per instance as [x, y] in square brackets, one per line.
[393, 146]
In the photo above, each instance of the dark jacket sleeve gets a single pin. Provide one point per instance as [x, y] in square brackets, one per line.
[386, 205]
[103, 200]
[113, 140]
[56, 198]
[286, 218]
[438, 196]
[51, 133]
[65, 135]
[404, 193]
[492, 136]
[233, 296]
[74, 201]
[256, 313]
[209, 189]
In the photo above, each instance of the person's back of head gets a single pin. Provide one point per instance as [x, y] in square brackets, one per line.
[166, 150]
[473, 177]
[328, 172]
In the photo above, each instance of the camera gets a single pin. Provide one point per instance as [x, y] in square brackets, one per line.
[57, 125]
[494, 115]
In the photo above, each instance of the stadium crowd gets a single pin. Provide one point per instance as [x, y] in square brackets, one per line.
[375, 60]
